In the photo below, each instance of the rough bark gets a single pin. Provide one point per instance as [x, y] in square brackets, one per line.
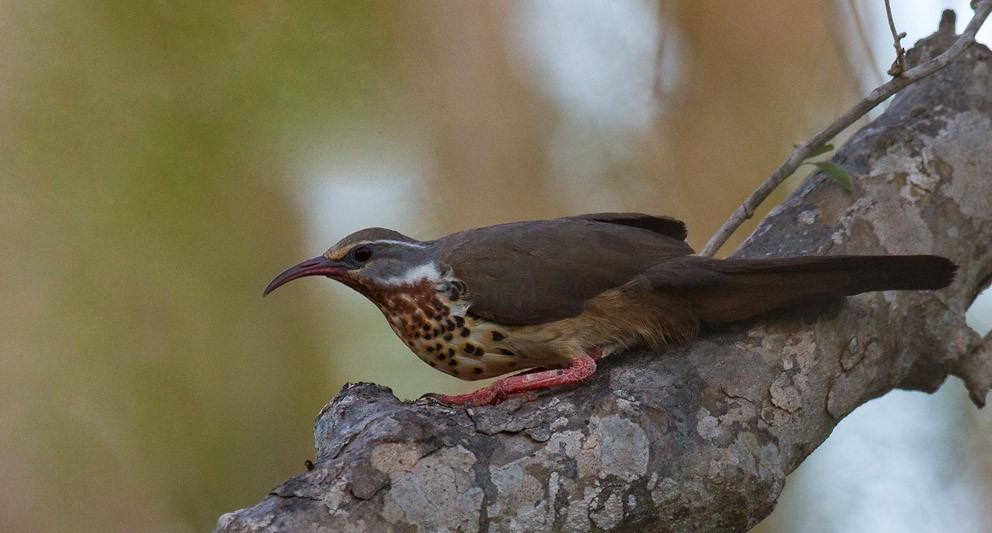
[702, 435]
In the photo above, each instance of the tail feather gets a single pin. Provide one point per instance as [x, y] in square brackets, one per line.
[740, 288]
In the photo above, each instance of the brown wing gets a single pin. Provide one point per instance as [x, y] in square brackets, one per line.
[669, 226]
[545, 270]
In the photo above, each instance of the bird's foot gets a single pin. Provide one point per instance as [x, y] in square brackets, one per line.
[581, 368]
[484, 396]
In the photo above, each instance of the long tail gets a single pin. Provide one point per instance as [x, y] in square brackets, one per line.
[736, 289]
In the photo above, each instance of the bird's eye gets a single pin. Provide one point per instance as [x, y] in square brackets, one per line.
[362, 254]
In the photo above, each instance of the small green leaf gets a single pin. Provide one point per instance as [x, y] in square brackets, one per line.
[836, 172]
[822, 149]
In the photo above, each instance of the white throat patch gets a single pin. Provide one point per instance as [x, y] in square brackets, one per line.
[426, 271]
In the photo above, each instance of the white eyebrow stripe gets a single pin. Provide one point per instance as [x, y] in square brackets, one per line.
[389, 241]
[341, 252]
[405, 243]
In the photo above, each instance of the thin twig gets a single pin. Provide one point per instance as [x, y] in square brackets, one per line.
[899, 65]
[877, 96]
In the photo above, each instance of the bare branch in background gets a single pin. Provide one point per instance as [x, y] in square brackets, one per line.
[664, 31]
[864, 42]
[806, 148]
[899, 65]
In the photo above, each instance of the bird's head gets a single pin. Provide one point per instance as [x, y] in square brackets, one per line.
[366, 260]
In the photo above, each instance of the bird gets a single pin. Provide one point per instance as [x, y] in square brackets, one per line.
[548, 298]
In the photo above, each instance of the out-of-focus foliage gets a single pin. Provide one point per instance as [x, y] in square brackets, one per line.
[146, 150]
[159, 162]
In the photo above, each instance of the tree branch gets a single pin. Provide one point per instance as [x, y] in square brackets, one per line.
[703, 435]
[806, 148]
[974, 367]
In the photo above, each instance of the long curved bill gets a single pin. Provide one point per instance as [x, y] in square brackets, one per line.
[318, 266]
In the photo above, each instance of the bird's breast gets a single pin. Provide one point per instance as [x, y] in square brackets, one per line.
[432, 318]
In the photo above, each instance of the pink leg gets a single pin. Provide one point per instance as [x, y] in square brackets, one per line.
[581, 368]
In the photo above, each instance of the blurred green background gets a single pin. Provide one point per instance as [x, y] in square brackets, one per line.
[161, 161]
